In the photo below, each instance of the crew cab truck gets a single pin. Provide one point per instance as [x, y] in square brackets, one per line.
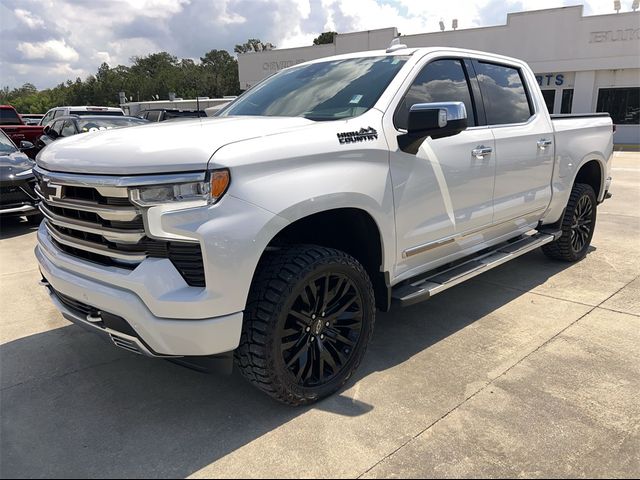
[330, 190]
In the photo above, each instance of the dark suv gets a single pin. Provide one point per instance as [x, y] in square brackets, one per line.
[17, 196]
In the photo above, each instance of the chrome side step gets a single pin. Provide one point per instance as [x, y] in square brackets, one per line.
[426, 287]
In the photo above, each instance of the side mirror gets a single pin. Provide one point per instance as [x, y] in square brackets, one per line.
[435, 120]
[24, 145]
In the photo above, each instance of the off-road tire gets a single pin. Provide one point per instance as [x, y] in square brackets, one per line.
[564, 248]
[281, 278]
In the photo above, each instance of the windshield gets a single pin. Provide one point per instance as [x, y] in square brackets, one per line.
[6, 145]
[321, 91]
[95, 124]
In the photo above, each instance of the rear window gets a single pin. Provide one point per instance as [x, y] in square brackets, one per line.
[9, 117]
[503, 93]
[111, 113]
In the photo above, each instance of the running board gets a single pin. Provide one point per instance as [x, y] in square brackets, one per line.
[426, 287]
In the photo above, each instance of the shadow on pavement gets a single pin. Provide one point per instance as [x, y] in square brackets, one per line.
[72, 405]
[15, 226]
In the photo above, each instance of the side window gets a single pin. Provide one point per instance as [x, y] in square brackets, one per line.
[503, 93]
[439, 81]
[47, 118]
[58, 113]
[153, 115]
[68, 129]
[56, 127]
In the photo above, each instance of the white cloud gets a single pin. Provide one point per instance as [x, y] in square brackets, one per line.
[45, 40]
[52, 50]
[29, 19]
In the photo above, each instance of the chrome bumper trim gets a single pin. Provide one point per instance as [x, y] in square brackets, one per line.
[20, 209]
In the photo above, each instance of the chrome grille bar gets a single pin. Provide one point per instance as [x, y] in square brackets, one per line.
[93, 247]
[106, 212]
[111, 234]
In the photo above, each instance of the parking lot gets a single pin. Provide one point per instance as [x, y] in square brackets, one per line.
[532, 369]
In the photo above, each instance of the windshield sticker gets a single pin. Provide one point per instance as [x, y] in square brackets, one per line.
[361, 135]
[356, 99]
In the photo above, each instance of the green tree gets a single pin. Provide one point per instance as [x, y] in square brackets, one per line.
[221, 73]
[324, 38]
[155, 74]
[253, 45]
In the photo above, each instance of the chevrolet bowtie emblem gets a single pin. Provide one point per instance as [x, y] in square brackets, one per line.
[50, 191]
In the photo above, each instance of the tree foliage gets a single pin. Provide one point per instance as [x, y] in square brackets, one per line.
[324, 38]
[215, 75]
[253, 45]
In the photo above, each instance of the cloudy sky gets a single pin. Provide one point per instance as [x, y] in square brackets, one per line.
[48, 41]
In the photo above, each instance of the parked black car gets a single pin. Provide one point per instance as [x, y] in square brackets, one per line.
[162, 114]
[73, 124]
[17, 197]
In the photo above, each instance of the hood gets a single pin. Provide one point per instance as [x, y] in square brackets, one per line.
[11, 164]
[158, 147]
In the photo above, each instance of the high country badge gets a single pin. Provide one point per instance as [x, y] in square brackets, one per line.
[361, 135]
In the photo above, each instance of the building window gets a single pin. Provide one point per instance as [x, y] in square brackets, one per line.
[623, 104]
[567, 100]
[549, 99]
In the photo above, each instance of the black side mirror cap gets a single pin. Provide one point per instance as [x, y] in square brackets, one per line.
[25, 145]
[435, 120]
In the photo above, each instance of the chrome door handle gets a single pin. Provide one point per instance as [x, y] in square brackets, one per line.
[481, 151]
[544, 143]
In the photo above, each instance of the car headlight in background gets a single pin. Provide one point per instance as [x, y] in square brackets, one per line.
[184, 195]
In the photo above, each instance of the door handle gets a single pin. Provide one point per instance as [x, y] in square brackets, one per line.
[481, 151]
[544, 143]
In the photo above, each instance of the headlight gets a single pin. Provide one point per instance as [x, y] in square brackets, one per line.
[201, 193]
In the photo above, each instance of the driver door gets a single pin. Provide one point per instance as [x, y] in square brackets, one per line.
[444, 193]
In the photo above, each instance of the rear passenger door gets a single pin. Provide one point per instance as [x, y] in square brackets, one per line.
[523, 142]
[445, 191]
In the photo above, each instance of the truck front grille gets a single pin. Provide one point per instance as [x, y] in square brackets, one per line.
[101, 225]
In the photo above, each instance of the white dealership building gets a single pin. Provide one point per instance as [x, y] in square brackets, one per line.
[583, 63]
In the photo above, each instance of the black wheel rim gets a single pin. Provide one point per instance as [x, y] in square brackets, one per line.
[322, 329]
[582, 225]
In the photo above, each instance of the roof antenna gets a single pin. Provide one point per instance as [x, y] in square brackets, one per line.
[396, 45]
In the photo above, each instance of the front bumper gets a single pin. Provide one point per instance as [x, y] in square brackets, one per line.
[152, 335]
[168, 316]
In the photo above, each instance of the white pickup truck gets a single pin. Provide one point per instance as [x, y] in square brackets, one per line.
[331, 189]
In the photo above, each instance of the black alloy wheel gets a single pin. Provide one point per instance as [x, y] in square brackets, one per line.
[322, 328]
[581, 229]
[307, 324]
[578, 224]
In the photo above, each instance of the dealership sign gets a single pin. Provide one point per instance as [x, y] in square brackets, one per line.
[550, 79]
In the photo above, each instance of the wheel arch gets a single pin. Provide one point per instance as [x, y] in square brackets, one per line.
[350, 229]
[591, 172]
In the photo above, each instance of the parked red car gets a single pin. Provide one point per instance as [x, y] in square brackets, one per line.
[17, 131]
